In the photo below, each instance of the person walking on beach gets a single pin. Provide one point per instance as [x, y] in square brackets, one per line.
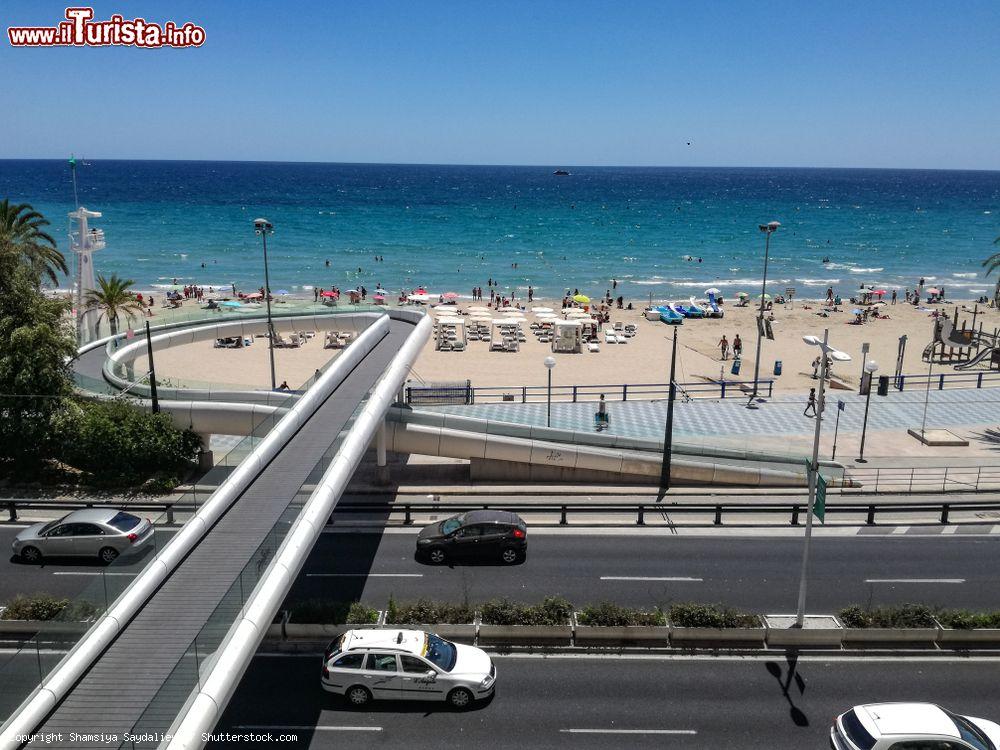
[724, 346]
[737, 347]
[316, 290]
[531, 294]
[810, 404]
[829, 295]
[894, 296]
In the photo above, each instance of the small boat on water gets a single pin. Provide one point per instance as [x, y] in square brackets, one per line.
[560, 173]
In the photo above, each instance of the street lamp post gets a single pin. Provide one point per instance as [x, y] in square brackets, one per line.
[828, 353]
[768, 229]
[263, 228]
[550, 363]
[668, 434]
[871, 368]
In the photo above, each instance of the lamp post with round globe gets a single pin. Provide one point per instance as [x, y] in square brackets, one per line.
[550, 363]
[871, 368]
[263, 227]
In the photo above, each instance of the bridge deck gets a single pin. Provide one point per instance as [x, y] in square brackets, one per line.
[119, 687]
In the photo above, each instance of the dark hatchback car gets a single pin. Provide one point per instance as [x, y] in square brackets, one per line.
[477, 535]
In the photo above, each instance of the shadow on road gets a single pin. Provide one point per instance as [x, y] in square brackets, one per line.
[785, 681]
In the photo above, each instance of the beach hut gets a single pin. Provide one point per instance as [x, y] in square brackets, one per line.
[568, 336]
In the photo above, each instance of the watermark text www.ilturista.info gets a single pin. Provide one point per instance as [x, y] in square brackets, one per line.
[81, 30]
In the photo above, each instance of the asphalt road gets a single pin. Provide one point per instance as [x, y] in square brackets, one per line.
[610, 702]
[753, 572]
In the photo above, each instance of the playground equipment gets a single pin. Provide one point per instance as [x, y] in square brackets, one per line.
[965, 347]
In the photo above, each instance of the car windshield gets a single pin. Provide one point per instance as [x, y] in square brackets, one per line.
[441, 653]
[52, 524]
[451, 524]
[971, 733]
[124, 521]
[856, 732]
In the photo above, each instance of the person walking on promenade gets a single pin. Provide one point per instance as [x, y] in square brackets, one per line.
[810, 404]
[724, 346]
[737, 347]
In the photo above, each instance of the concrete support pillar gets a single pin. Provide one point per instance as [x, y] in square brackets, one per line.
[382, 466]
[206, 459]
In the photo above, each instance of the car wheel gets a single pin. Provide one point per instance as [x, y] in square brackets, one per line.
[437, 556]
[509, 555]
[460, 698]
[31, 554]
[358, 696]
[108, 555]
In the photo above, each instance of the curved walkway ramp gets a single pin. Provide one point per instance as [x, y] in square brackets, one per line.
[137, 666]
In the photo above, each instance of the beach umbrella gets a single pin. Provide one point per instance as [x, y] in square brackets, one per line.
[583, 299]
[327, 294]
[232, 303]
[857, 311]
[379, 295]
[541, 309]
[879, 292]
[764, 296]
[931, 291]
[420, 297]
[450, 295]
[742, 295]
[713, 290]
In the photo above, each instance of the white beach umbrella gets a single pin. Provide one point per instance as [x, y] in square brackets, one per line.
[541, 309]
[713, 290]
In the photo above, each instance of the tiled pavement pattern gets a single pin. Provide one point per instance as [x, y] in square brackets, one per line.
[778, 416]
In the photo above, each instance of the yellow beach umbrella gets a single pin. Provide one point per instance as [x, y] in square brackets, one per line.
[583, 299]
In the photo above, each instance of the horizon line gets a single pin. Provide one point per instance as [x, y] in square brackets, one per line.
[515, 166]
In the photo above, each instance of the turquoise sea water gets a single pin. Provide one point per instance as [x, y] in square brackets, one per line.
[455, 227]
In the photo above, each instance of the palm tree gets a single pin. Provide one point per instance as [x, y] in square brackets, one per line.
[991, 264]
[23, 240]
[115, 298]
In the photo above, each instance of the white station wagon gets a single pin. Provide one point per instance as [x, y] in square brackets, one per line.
[911, 726]
[406, 665]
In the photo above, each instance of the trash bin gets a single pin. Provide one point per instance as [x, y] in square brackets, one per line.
[777, 367]
[736, 367]
[883, 385]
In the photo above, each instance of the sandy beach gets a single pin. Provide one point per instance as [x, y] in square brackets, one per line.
[644, 359]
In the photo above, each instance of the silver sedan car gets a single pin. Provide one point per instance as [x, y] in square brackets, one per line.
[91, 532]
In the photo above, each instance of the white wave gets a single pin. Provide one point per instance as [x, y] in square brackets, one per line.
[819, 282]
[832, 266]
[964, 275]
[866, 270]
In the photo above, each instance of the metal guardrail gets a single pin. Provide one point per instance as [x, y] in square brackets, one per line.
[794, 511]
[524, 394]
[923, 479]
[165, 507]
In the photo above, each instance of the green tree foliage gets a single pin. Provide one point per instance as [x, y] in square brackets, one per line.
[116, 443]
[24, 242]
[115, 299]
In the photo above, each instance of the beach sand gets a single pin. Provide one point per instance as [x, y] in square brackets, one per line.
[644, 359]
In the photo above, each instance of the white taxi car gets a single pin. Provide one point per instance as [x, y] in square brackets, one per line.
[911, 726]
[406, 665]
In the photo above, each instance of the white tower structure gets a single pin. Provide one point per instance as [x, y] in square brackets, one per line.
[84, 241]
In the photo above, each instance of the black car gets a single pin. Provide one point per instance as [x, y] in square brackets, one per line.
[478, 534]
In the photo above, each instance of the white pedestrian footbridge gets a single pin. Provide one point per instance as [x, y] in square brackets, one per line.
[170, 644]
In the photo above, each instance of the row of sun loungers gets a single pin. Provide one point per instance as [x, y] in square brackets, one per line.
[338, 339]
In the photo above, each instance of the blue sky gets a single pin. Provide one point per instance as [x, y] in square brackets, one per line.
[824, 83]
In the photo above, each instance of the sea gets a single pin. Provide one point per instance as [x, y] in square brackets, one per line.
[660, 233]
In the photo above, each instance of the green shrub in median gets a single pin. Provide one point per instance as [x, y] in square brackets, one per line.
[692, 615]
[322, 612]
[47, 607]
[963, 619]
[608, 614]
[902, 616]
[425, 611]
[554, 610]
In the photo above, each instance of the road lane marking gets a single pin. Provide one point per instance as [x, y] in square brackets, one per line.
[364, 575]
[914, 580]
[303, 728]
[652, 578]
[629, 731]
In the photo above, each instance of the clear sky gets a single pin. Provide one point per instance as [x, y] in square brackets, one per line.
[884, 83]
